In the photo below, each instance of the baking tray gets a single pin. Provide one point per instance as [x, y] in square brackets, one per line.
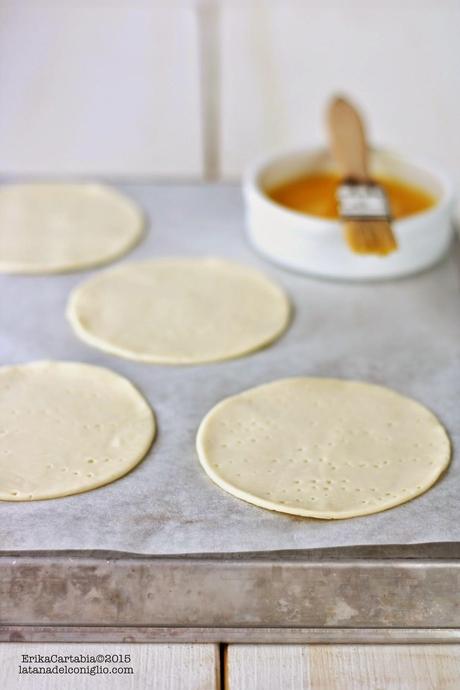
[349, 595]
[404, 334]
[63, 576]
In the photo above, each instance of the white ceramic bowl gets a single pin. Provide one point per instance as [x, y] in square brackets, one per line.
[316, 246]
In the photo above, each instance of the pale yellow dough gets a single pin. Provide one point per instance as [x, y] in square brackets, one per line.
[179, 310]
[323, 448]
[60, 227]
[67, 428]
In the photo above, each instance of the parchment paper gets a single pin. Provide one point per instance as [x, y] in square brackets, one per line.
[404, 334]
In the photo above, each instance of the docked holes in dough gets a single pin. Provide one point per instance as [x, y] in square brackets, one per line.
[60, 227]
[66, 428]
[323, 448]
[179, 311]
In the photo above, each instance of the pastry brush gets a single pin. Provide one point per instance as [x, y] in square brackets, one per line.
[363, 204]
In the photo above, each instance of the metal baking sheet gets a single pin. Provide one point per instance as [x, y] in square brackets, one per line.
[404, 334]
[346, 595]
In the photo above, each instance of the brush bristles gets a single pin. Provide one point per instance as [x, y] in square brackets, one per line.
[370, 237]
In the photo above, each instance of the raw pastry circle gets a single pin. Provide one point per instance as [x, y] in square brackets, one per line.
[59, 227]
[323, 448]
[67, 428]
[179, 311]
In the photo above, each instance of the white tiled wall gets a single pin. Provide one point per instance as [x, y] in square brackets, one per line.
[102, 87]
[114, 87]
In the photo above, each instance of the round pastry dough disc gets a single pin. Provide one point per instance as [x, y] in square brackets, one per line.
[179, 311]
[59, 227]
[67, 428]
[323, 448]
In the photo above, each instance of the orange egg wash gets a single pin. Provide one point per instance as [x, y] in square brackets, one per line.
[315, 194]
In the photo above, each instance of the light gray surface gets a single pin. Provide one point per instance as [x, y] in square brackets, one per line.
[404, 334]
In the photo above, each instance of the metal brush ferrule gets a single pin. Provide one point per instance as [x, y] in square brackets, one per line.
[362, 201]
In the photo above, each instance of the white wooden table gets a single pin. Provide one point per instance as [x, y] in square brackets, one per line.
[246, 667]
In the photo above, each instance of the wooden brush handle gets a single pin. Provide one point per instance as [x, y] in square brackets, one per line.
[348, 140]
